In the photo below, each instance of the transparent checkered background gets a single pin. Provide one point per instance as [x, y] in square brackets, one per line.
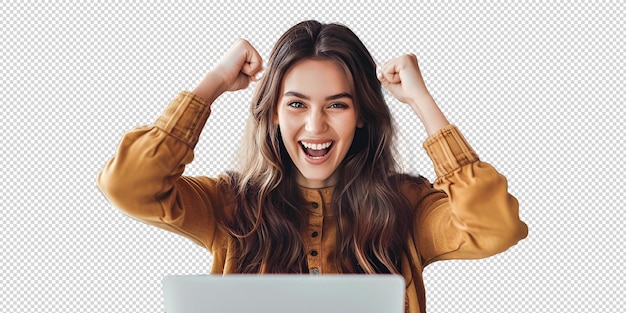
[537, 88]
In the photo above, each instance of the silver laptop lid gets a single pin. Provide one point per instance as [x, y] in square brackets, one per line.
[284, 293]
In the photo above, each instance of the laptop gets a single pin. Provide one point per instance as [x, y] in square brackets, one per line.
[283, 293]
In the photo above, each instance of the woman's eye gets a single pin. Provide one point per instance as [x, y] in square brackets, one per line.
[296, 104]
[338, 106]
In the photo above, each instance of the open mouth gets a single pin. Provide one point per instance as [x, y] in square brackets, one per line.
[316, 151]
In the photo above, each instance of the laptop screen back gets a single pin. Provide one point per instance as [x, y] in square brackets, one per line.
[284, 293]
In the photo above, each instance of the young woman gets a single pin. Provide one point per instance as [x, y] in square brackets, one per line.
[317, 191]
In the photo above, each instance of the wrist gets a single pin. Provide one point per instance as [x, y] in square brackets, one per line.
[421, 102]
[429, 113]
[210, 87]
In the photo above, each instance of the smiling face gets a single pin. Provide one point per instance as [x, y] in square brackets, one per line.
[317, 120]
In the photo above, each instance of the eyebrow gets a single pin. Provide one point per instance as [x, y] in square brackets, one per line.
[333, 97]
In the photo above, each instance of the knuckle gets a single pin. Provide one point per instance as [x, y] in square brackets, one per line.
[241, 42]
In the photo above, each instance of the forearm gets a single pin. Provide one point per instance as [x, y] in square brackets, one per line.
[210, 87]
[429, 113]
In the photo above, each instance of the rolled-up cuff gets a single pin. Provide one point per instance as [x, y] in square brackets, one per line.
[184, 117]
[449, 150]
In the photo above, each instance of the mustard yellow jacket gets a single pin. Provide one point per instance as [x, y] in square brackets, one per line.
[469, 213]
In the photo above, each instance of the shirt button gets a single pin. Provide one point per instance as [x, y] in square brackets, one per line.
[314, 253]
[315, 271]
[314, 205]
[314, 234]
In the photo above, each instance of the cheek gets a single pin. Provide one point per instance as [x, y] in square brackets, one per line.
[288, 134]
[289, 124]
[346, 126]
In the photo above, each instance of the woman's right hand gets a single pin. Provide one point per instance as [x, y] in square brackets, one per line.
[234, 71]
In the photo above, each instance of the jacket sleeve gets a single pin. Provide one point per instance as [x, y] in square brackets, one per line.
[144, 178]
[469, 213]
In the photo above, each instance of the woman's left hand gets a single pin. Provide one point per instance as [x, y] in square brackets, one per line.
[403, 78]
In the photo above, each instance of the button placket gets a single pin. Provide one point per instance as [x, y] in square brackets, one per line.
[314, 242]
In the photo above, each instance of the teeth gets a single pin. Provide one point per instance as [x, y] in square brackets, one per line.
[318, 146]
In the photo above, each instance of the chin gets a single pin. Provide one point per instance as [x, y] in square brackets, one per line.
[315, 180]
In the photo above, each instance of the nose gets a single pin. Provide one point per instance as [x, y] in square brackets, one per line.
[316, 122]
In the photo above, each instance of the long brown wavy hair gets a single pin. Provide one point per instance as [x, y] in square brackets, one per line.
[373, 216]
